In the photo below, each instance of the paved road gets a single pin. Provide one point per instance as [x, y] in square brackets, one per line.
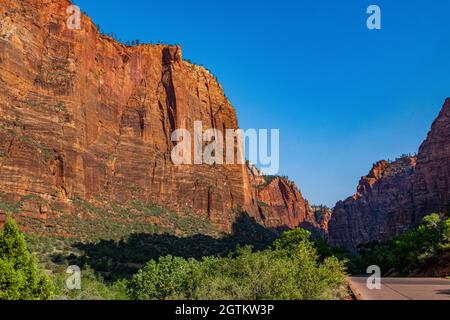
[402, 289]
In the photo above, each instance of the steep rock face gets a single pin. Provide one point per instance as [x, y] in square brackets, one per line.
[322, 217]
[394, 197]
[85, 117]
[380, 208]
[281, 204]
[432, 180]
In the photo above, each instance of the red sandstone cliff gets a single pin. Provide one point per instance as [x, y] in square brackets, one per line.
[382, 206]
[432, 179]
[83, 116]
[395, 196]
[281, 204]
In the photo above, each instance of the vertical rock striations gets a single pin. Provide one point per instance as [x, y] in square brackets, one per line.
[432, 179]
[395, 196]
[85, 117]
[281, 204]
[381, 207]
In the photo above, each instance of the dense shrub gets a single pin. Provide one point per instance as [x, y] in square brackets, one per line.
[93, 287]
[20, 277]
[168, 278]
[246, 276]
[291, 269]
[404, 253]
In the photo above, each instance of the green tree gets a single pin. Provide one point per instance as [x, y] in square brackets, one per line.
[409, 250]
[291, 240]
[312, 279]
[245, 276]
[446, 231]
[20, 277]
[168, 278]
[93, 287]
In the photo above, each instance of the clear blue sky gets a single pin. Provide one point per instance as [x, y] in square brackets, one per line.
[342, 96]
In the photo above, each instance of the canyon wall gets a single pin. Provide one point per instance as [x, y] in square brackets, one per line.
[431, 189]
[281, 204]
[382, 206]
[85, 117]
[395, 196]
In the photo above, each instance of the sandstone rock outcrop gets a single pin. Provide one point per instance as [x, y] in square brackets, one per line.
[288, 206]
[432, 179]
[281, 204]
[381, 207]
[85, 117]
[322, 217]
[394, 197]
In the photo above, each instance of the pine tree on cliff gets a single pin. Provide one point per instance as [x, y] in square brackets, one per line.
[20, 277]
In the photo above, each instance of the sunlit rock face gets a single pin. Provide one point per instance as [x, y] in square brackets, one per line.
[83, 116]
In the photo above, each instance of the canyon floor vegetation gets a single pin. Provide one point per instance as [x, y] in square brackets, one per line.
[292, 267]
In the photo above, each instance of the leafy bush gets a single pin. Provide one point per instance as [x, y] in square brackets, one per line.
[407, 251]
[291, 269]
[20, 277]
[168, 278]
[247, 276]
[93, 287]
[446, 231]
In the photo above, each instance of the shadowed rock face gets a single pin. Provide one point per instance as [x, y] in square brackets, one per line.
[83, 116]
[381, 207]
[395, 196]
[432, 179]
